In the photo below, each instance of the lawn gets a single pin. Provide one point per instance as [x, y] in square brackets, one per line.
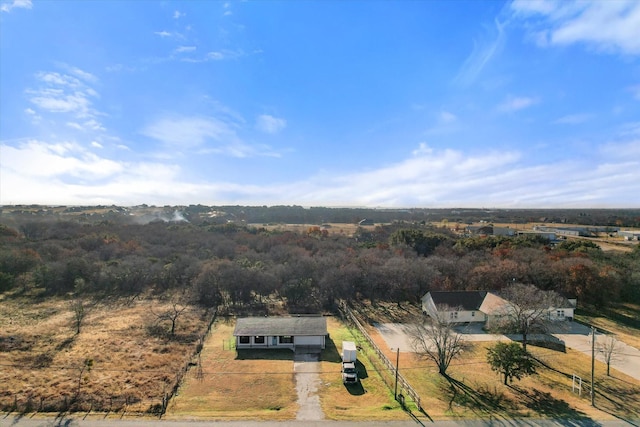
[475, 391]
[253, 384]
[260, 384]
[623, 320]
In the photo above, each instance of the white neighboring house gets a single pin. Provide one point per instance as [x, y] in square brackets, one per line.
[481, 306]
[456, 306]
[280, 332]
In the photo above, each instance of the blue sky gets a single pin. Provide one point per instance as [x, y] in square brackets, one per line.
[321, 103]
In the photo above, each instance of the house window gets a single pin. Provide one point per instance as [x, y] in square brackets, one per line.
[560, 314]
[286, 339]
[473, 314]
[453, 315]
[244, 340]
[258, 340]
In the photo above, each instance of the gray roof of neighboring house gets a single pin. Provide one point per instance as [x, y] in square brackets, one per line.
[467, 300]
[277, 326]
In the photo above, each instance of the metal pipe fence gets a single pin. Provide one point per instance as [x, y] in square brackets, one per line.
[388, 365]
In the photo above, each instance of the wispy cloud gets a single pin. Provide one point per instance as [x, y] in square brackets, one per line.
[66, 94]
[203, 135]
[184, 49]
[483, 51]
[515, 103]
[270, 124]
[177, 14]
[446, 117]
[574, 119]
[635, 90]
[16, 4]
[606, 26]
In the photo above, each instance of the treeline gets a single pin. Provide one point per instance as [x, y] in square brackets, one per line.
[239, 267]
[317, 215]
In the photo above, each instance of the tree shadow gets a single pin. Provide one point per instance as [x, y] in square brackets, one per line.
[545, 404]
[66, 343]
[482, 401]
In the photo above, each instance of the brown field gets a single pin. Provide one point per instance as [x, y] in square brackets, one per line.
[260, 384]
[475, 391]
[134, 363]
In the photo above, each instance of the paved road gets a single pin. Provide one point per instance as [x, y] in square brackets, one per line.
[11, 420]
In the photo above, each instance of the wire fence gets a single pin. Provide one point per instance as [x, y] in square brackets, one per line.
[388, 371]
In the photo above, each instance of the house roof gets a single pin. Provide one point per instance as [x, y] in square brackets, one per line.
[468, 300]
[277, 326]
[494, 304]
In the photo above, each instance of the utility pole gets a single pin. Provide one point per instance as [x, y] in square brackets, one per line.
[395, 392]
[593, 363]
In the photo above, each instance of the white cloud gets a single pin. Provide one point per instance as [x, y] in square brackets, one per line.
[177, 14]
[66, 95]
[516, 103]
[429, 177]
[16, 4]
[635, 90]
[574, 119]
[482, 53]
[183, 49]
[447, 117]
[163, 33]
[190, 132]
[96, 144]
[607, 26]
[270, 124]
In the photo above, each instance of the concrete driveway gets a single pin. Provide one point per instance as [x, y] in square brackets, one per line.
[578, 337]
[574, 335]
[306, 367]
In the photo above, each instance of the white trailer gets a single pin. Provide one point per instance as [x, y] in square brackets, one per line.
[349, 351]
[349, 357]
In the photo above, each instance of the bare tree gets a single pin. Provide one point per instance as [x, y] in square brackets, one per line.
[436, 340]
[79, 314]
[609, 348]
[526, 310]
[171, 315]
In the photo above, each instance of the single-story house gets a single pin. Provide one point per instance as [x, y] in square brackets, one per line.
[280, 332]
[481, 306]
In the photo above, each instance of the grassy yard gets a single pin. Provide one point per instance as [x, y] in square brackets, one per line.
[475, 391]
[260, 384]
[252, 384]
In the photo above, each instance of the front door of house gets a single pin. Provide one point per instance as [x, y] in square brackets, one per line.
[274, 341]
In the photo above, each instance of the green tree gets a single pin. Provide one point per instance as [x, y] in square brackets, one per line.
[510, 360]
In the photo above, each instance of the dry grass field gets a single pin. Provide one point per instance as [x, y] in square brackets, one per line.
[475, 391]
[133, 364]
[260, 384]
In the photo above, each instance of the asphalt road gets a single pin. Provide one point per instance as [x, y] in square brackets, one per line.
[11, 420]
